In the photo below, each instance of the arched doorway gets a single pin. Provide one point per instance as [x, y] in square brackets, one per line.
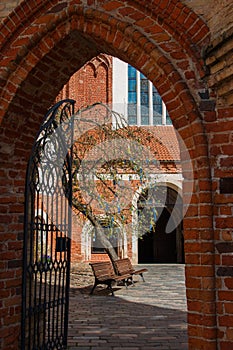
[92, 249]
[157, 245]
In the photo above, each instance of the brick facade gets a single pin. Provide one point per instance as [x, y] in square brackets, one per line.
[96, 76]
[43, 43]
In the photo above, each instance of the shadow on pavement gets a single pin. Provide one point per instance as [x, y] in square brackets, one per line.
[101, 321]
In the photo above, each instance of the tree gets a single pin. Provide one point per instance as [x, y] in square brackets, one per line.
[105, 149]
[108, 153]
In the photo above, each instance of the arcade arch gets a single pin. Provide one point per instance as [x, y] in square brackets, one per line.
[158, 244]
[87, 244]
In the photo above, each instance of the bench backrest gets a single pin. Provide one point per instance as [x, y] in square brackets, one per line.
[102, 269]
[123, 266]
[129, 264]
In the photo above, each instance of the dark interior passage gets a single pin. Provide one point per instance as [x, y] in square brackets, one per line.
[157, 246]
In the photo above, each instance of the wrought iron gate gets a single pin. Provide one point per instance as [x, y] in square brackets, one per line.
[48, 202]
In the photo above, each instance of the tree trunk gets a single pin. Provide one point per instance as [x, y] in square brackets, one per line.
[99, 230]
[106, 243]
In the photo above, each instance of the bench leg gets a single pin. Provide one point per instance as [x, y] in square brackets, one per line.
[110, 287]
[141, 274]
[93, 288]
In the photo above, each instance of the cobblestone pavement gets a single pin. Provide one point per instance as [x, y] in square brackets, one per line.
[149, 315]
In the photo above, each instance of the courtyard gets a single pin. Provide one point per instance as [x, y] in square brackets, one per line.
[149, 315]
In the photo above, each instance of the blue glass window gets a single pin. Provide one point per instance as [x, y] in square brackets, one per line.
[132, 85]
[132, 120]
[157, 110]
[132, 96]
[144, 111]
[132, 109]
[157, 99]
[144, 84]
[144, 100]
[157, 119]
[142, 76]
[145, 120]
[131, 72]
[157, 107]
[168, 119]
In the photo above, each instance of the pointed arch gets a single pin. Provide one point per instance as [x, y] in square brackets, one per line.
[44, 42]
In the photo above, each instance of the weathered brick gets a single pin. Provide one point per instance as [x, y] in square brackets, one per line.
[229, 284]
[225, 271]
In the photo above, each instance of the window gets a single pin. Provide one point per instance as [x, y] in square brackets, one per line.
[132, 96]
[157, 107]
[145, 105]
[144, 96]
[111, 233]
[96, 246]
[168, 119]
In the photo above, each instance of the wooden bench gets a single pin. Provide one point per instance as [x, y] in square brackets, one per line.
[124, 266]
[105, 274]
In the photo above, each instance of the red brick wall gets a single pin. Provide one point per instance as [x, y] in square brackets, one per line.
[91, 84]
[220, 132]
[42, 45]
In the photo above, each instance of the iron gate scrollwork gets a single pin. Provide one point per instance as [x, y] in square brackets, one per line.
[47, 233]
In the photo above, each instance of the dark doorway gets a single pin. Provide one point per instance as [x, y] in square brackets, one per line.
[157, 246]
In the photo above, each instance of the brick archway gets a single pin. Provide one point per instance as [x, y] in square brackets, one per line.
[172, 187]
[41, 55]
